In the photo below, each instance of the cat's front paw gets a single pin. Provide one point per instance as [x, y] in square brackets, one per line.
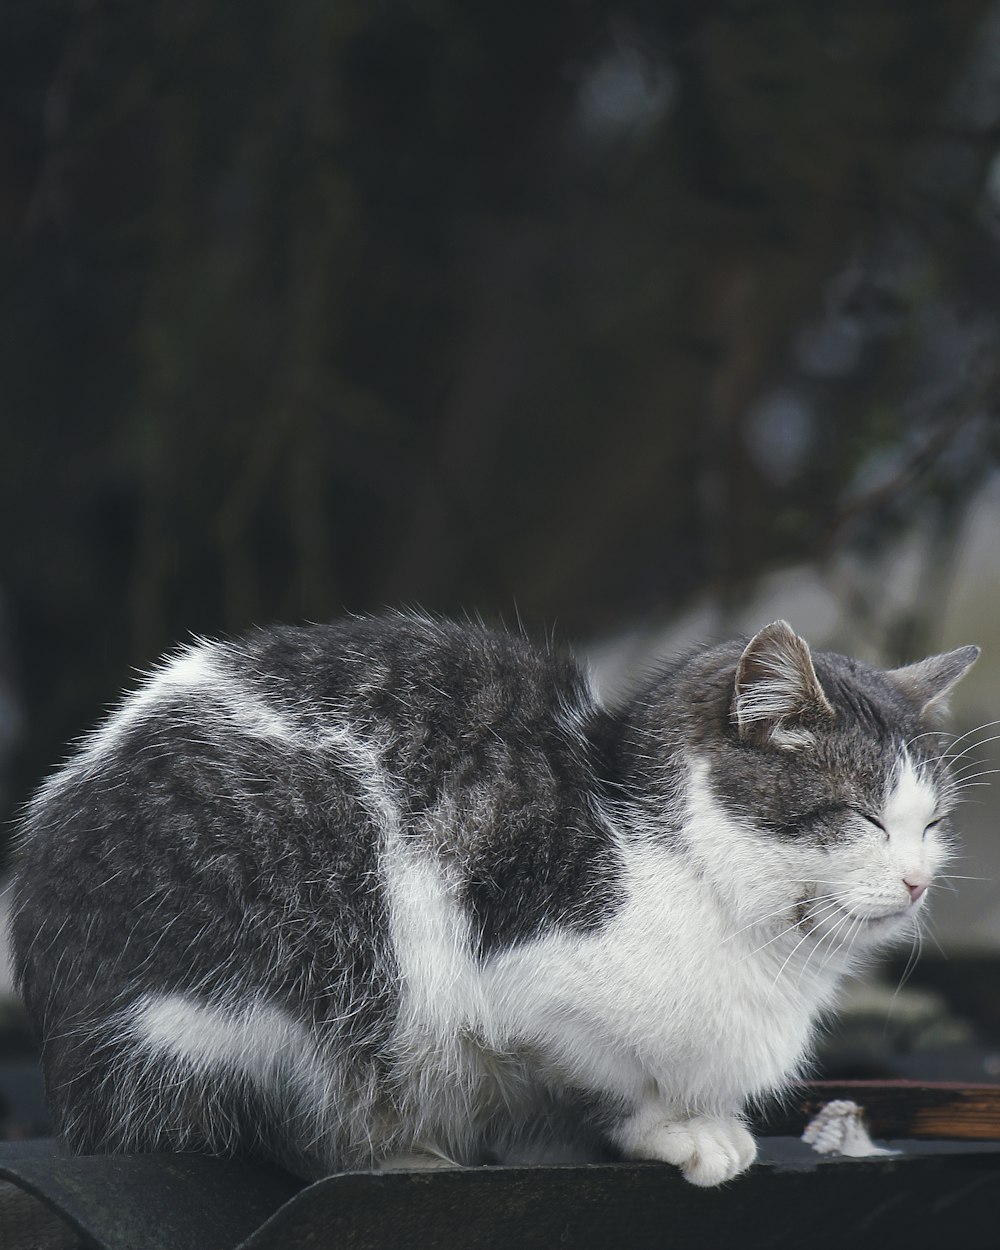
[708, 1151]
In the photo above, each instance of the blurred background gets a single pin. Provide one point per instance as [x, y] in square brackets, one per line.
[635, 321]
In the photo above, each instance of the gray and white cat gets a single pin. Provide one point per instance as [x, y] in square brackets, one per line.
[398, 889]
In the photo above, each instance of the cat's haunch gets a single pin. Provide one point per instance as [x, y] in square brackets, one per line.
[397, 889]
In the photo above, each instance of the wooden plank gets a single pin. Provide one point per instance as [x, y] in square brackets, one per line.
[945, 1110]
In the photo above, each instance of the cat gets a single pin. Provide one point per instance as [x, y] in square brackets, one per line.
[398, 891]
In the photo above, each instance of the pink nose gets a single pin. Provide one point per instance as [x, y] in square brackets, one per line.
[916, 888]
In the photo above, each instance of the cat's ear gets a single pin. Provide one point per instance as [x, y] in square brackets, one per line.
[929, 682]
[778, 698]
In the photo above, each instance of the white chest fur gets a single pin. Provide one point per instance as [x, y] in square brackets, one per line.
[672, 994]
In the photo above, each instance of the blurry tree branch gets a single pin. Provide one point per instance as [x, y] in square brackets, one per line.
[325, 306]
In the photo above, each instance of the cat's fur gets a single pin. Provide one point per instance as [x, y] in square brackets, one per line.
[402, 888]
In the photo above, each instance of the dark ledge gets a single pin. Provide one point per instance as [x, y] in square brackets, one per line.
[930, 1194]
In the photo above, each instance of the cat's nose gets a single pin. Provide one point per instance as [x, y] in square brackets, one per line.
[916, 887]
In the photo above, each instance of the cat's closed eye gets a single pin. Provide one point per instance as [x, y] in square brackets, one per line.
[872, 820]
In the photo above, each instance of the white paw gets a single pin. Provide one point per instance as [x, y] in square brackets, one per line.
[707, 1151]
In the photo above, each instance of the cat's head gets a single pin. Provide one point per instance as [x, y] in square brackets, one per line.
[832, 777]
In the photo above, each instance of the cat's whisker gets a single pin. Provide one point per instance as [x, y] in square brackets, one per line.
[969, 776]
[934, 938]
[848, 946]
[990, 724]
[970, 742]
[788, 958]
[828, 909]
[839, 946]
[926, 927]
[783, 933]
[756, 923]
[930, 733]
[952, 761]
[781, 911]
[972, 766]
[916, 949]
[830, 936]
[971, 762]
